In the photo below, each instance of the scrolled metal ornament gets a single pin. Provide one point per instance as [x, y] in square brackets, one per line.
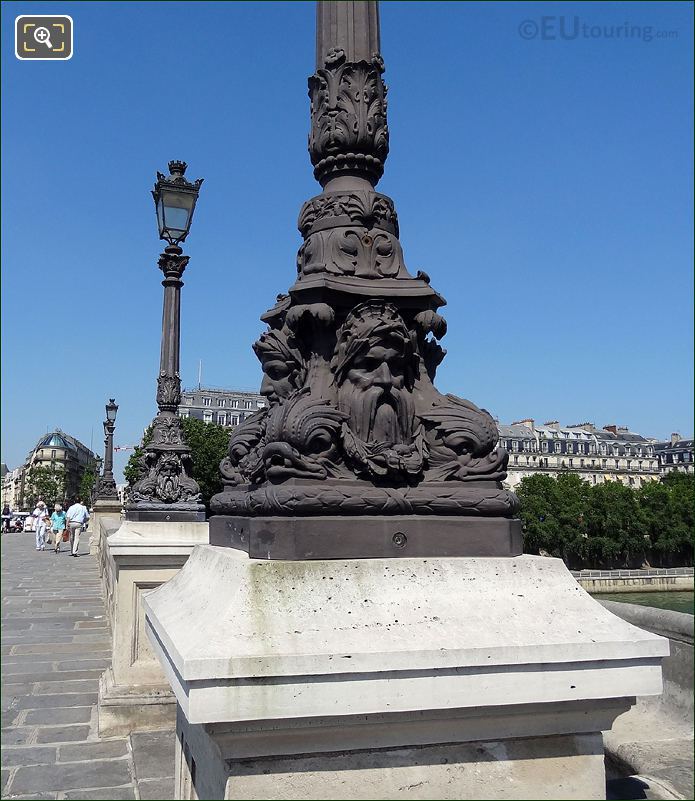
[348, 118]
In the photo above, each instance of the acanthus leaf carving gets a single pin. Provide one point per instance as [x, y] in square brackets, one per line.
[168, 391]
[348, 118]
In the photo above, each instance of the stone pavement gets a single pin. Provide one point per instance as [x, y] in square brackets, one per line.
[56, 642]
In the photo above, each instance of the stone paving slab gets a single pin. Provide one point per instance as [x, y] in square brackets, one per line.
[56, 642]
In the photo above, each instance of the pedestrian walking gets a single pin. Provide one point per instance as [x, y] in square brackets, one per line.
[77, 517]
[40, 515]
[59, 521]
[6, 517]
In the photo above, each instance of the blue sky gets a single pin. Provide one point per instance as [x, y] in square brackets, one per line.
[544, 184]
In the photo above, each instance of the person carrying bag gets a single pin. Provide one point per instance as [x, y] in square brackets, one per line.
[59, 527]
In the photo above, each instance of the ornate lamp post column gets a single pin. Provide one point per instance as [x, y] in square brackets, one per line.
[107, 485]
[165, 489]
[358, 453]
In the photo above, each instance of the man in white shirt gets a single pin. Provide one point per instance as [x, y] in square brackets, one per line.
[77, 516]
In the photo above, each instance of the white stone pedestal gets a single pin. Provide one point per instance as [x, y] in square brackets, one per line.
[447, 678]
[134, 693]
[104, 515]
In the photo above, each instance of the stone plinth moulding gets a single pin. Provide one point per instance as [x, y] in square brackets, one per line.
[369, 678]
[135, 559]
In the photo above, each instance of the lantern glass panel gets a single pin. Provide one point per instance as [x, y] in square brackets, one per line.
[175, 210]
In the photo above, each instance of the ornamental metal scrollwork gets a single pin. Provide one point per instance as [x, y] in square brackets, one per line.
[348, 117]
[354, 423]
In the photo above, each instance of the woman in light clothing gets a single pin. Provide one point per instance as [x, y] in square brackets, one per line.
[58, 523]
[40, 514]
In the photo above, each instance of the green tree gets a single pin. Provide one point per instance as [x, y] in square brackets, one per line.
[208, 443]
[615, 526]
[552, 513]
[45, 483]
[87, 482]
[609, 525]
[131, 471]
[669, 509]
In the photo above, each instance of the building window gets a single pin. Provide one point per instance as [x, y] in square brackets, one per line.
[516, 460]
[222, 419]
[544, 446]
[617, 464]
[206, 401]
[247, 404]
[234, 404]
[260, 404]
[234, 420]
[220, 401]
[207, 417]
[53, 454]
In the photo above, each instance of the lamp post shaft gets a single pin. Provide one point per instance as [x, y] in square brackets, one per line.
[165, 489]
[348, 25]
[108, 454]
[171, 316]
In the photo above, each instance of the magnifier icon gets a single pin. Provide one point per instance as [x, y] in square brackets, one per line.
[43, 36]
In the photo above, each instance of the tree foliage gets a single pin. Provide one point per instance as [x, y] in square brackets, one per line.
[45, 483]
[208, 443]
[609, 525]
[131, 472]
[87, 482]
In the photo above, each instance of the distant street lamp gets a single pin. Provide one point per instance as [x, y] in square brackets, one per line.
[164, 489]
[107, 486]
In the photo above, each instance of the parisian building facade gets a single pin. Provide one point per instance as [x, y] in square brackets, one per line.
[224, 407]
[675, 455]
[611, 453]
[57, 450]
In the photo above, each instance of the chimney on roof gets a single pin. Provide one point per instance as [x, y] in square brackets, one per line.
[527, 421]
[623, 428]
[552, 423]
[675, 437]
[612, 429]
